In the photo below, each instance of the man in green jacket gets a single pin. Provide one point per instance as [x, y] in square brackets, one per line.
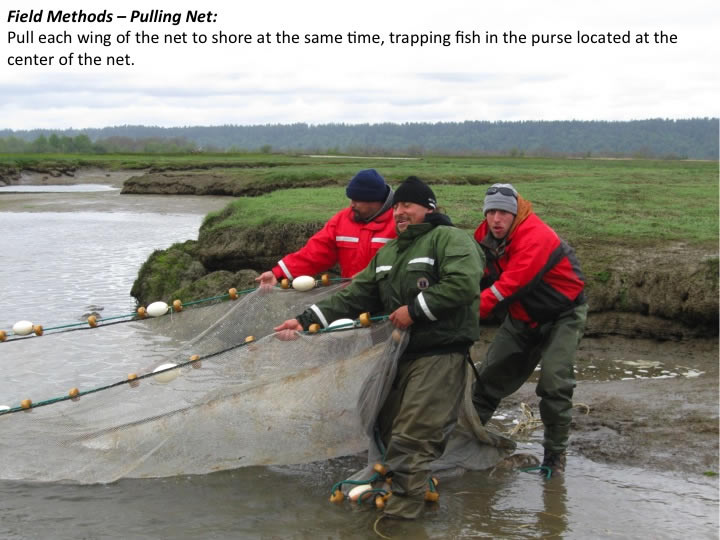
[427, 280]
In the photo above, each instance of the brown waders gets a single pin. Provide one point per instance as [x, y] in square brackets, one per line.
[415, 424]
[511, 359]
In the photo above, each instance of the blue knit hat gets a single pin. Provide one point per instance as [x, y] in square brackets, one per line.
[367, 186]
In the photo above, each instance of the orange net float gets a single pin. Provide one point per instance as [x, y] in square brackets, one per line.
[232, 293]
[26, 404]
[3, 335]
[364, 319]
[142, 312]
[285, 283]
[74, 394]
[177, 305]
[133, 378]
[337, 496]
[314, 328]
[38, 329]
[92, 321]
[195, 359]
[325, 279]
[432, 496]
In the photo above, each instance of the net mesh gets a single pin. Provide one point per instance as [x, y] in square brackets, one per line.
[259, 403]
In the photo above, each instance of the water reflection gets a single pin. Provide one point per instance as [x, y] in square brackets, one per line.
[552, 520]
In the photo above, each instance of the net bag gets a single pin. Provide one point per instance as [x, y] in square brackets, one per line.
[229, 401]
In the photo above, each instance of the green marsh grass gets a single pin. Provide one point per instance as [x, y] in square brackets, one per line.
[627, 202]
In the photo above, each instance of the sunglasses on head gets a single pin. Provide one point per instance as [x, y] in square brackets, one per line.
[502, 190]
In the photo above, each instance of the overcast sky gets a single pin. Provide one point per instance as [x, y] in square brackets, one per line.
[258, 83]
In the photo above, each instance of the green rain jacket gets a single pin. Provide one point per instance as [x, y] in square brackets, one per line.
[434, 269]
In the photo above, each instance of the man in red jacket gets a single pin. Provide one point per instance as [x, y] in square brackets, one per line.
[351, 237]
[534, 279]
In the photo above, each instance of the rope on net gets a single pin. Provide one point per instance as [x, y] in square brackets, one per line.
[93, 321]
[365, 490]
[133, 379]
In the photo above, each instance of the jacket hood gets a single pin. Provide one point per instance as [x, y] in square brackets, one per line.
[524, 211]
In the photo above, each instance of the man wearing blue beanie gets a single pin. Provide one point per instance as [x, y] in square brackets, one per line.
[350, 238]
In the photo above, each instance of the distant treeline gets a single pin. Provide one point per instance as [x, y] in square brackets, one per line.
[694, 138]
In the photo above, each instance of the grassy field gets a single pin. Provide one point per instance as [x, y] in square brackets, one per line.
[627, 202]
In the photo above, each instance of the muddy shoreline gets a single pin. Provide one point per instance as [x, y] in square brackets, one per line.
[638, 402]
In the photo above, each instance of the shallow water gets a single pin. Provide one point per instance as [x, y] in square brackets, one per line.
[60, 264]
[594, 501]
[71, 188]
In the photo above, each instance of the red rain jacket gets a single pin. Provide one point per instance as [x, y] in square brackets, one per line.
[342, 240]
[533, 273]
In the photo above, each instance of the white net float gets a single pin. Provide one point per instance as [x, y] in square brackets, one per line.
[22, 328]
[342, 323]
[156, 309]
[357, 491]
[163, 376]
[303, 283]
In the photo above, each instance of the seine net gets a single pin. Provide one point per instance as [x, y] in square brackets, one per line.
[257, 403]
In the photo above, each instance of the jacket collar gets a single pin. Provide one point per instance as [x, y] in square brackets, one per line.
[408, 236]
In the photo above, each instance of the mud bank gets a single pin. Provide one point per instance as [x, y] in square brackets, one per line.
[639, 402]
[668, 292]
[55, 175]
[222, 181]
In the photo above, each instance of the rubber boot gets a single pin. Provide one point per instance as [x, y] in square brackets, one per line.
[554, 461]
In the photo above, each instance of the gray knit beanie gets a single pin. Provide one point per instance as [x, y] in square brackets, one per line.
[501, 197]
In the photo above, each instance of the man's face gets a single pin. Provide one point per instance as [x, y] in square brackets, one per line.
[364, 209]
[409, 213]
[499, 222]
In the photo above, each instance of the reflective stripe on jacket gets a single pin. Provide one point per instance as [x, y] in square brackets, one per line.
[533, 273]
[342, 240]
[434, 270]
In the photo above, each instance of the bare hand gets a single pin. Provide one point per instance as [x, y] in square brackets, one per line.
[401, 317]
[266, 280]
[288, 330]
